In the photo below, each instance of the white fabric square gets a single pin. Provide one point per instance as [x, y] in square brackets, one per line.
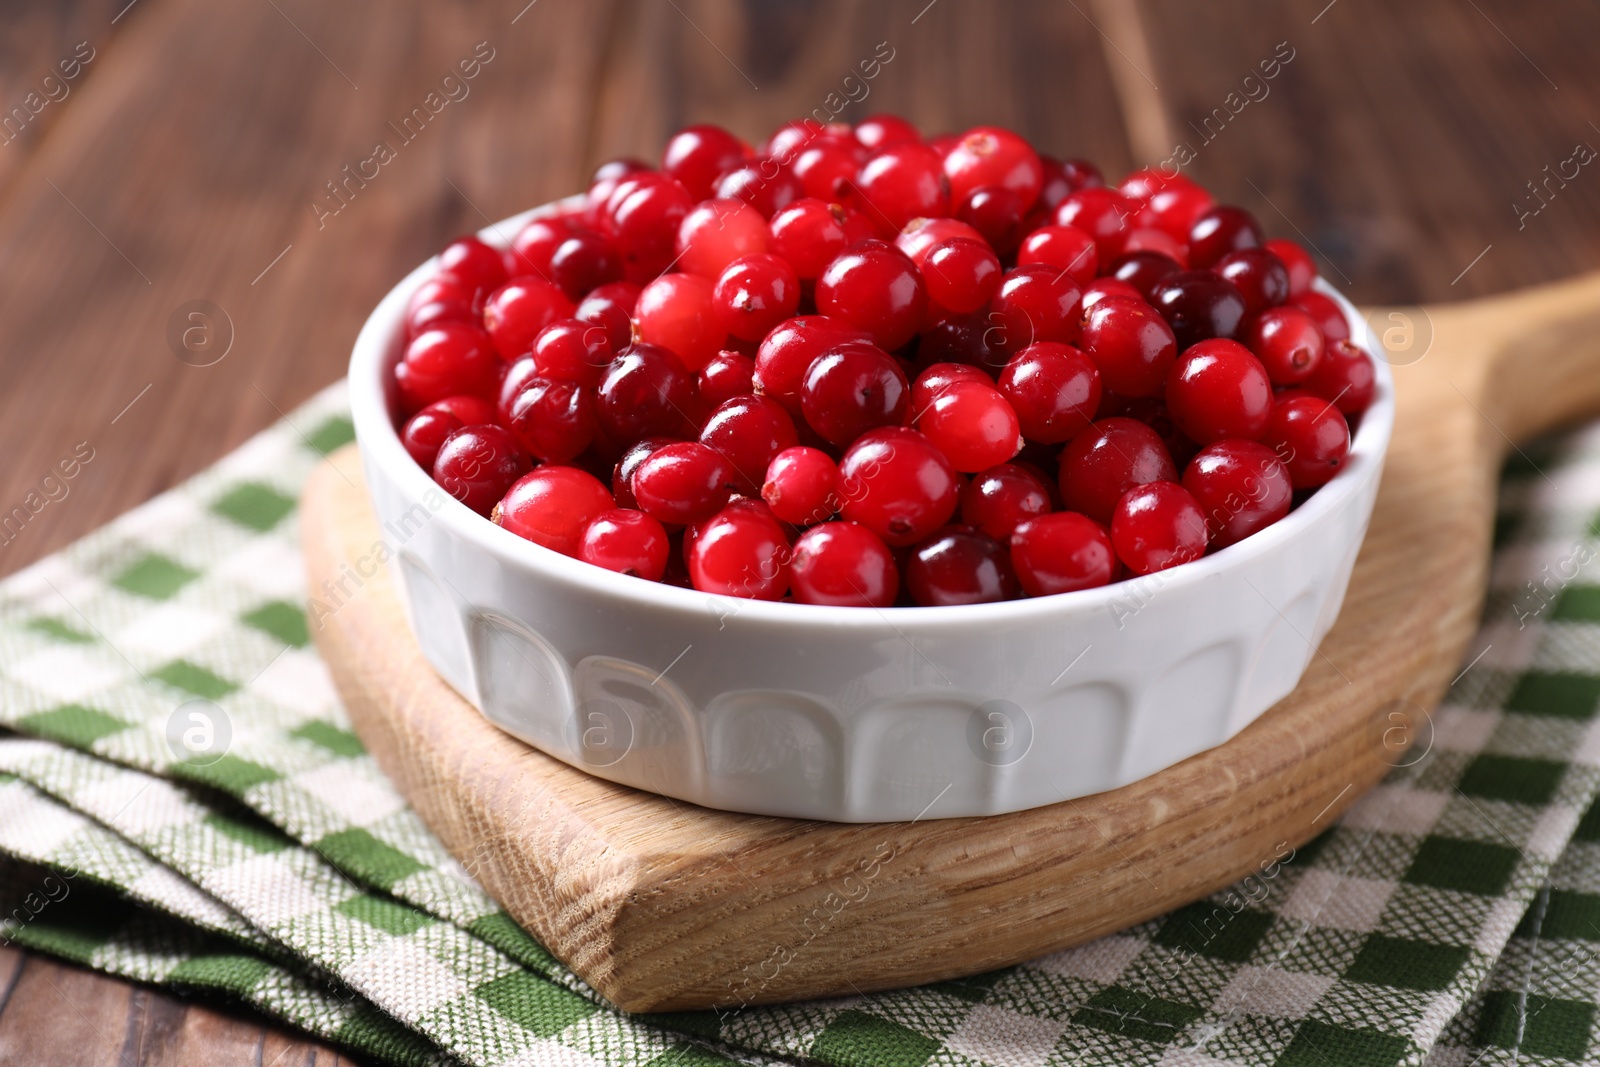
[136, 805]
[991, 1034]
[358, 799]
[415, 982]
[1194, 1057]
[553, 1054]
[1458, 729]
[1588, 750]
[268, 565]
[1273, 991]
[296, 680]
[154, 521]
[1328, 899]
[1496, 927]
[170, 630]
[1553, 829]
[1098, 961]
[66, 673]
[31, 825]
[1397, 809]
[267, 890]
[53, 584]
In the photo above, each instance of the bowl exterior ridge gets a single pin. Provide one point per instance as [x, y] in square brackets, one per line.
[847, 714]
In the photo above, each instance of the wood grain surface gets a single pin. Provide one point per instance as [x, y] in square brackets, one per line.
[188, 153]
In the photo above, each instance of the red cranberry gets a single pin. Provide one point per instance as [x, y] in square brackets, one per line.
[802, 486]
[1260, 277]
[645, 391]
[622, 473]
[551, 505]
[851, 389]
[1063, 247]
[1198, 305]
[625, 541]
[1060, 553]
[754, 294]
[1241, 487]
[825, 167]
[718, 232]
[788, 352]
[1002, 498]
[1310, 436]
[1035, 303]
[787, 140]
[1301, 268]
[1064, 176]
[443, 298]
[959, 566]
[534, 245]
[602, 185]
[1143, 270]
[962, 275]
[698, 155]
[921, 235]
[933, 380]
[1108, 459]
[1217, 389]
[583, 262]
[881, 131]
[725, 376]
[741, 551]
[762, 184]
[998, 213]
[1108, 288]
[1131, 345]
[516, 312]
[1149, 239]
[1104, 214]
[811, 233]
[876, 288]
[843, 564]
[683, 482]
[961, 339]
[644, 216]
[476, 464]
[611, 307]
[1158, 525]
[1221, 230]
[447, 359]
[425, 431]
[569, 350]
[474, 262]
[676, 312]
[989, 155]
[516, 379]
[1177, 206]
[971, 423]
[902, 182]
[749, 431]
[553, 420]
[897, 484]
[1345, 377]
[1322, 309]
[1287, 342]
[1054, 390]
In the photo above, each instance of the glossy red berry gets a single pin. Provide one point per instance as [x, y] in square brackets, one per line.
[1063, 247]
[1104, 214]
[1325, 312]
[551, 506]
[625, 541]
[698, 155]
[516, 312]
[843, 564]
[1260, 277]
[921, 235]
[1345, 377]
[1287, 342]
[1301, 268]
[754, 294]
[741, 552]
[875, 287]
[1241, 487]
[570, 350]
[1000, 499]
[643, 217]
[611, 308]
[1064, 176]
[1143, 271]
[957, 566]
[716, 233]
[1035, 303]
[1217, 389]
[1054, 390]
[1131, 344]
[972, 424]
[446, 359]
[998, 213]
[645, 391]
[788, 352]
[1156, 526]
[1311, 437]
[1177, 206]
[881, 131]
[553, 420]
[962, 275]
[1221, 230]
[725, 376]
[476, 464]
[961, 339]
[826, 166]
[1108, 459]
[476, 264]
[583, 262]
[425, 431]
[1060, 553]
[443, 298]
[762, 184]
[749, 430]
[989, 155]
[1109, 289]
[534, 245]
[933, 379]
[682, 483]
[623, 471]
[1198, 305]
[677, 312]
[852, 388]
[811, 233]
[897, 484]
[902, 182]
[802, 486]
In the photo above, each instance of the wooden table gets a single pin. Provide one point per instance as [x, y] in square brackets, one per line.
[188, 158]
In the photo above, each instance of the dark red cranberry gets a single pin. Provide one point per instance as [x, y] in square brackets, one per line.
[1002, 498]
[762, 184]
[553, 420]
[583, 262]
[1060, 553]
[1054, 390]
[1143, 270]
[933, 380]
[1131, 345]
[1221, 230]
[622, 473]
[788, 352]
[961, 339]
[1241, 487]
[1260, 277]
[552, 505]
[749, 430]
[1301, 268]
[425, 431]
[1310, 436]
[1158, 525]
[477, 464]
[725, 376]
[1107, 460]
[1104, 214]
[534, 245]
[611, 306]
[997, 213]
[853, 388]
[957, 566]
[843, 564]
[1345, 377]
[645, 391]
[644, 215]
[443, 298]
[1035, 303]
[1199, 305]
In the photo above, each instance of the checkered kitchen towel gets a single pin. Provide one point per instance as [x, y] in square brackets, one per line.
[175, 742]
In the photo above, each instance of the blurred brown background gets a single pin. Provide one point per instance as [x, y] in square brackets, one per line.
[174, 151]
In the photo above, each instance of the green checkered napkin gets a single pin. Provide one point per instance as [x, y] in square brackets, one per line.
[1434, 923]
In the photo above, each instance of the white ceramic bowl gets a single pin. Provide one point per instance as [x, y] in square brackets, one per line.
[850, 714]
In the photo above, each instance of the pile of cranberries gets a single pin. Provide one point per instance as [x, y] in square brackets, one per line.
[860, 367]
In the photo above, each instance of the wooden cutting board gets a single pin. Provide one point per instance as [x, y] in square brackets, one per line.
[662, 905]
